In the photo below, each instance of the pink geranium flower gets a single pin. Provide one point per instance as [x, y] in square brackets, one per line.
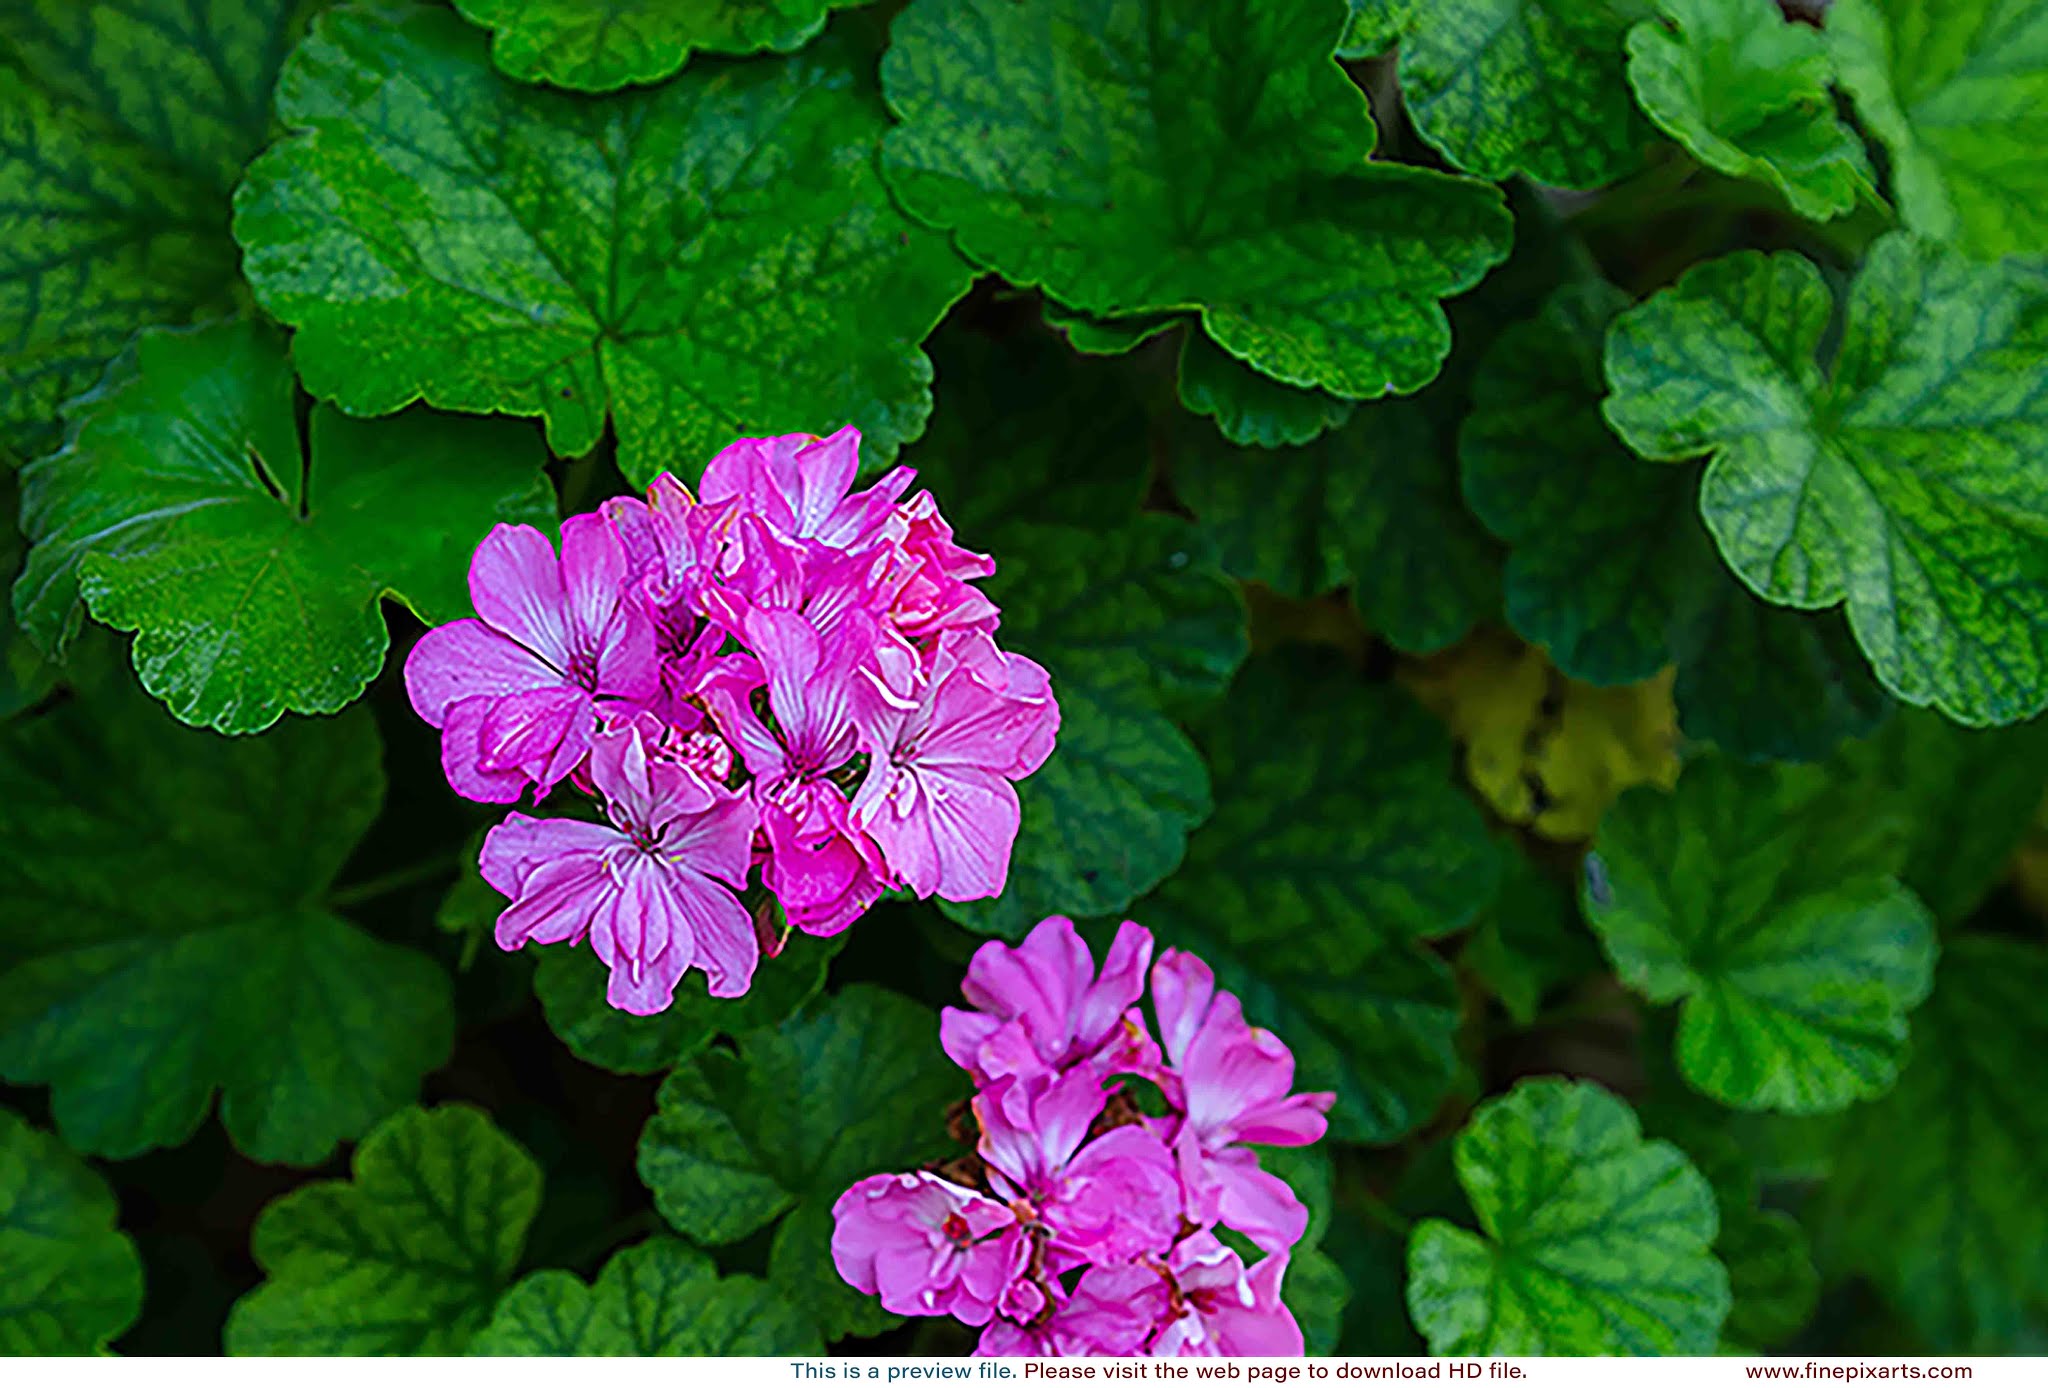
[1040, 1006]
[1100, 1200]
[1231, 1080]
[1212, 1306]
[927, 1247]
[515, 690]
[937, 796]
[802, 486]
[652, 890]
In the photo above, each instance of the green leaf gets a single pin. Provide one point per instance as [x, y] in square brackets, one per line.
[602, 45]
[1766, 899]
[571, 985]
[73, 1280]
[187, 508]
[1968, 797]
[1607, 555]
[1610, 569]
[123, 127]
[1895, 480]
[1771, 1275]
[1766, 683]
[26, 674]
[1747, 92]
[1137, 626]
[1935, 1188]
[1595, 1240]
[1024, 430]
[1254, 204]
[1375, 504]
[1532, 87]
[661, 1297]
[853, 1087]
[709, 258]
[1958, 92]
[407, 1256]
[1530, 940]
[1339, 840]
[1105, 337]
[1375, 26]
[166, 938]
[1249, 408]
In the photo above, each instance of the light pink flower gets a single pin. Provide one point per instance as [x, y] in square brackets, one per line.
[1039, 1006]
[515, 690]
[944, 749]
[1105, 1199]
[936, 593]
[825, 872]
[652, 889]
[927, 1247]
[1231, 1080]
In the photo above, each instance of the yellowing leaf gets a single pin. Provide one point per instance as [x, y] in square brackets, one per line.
[1546, 752]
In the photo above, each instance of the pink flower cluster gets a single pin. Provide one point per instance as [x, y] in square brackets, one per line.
[781, 676]
[1080, 1224]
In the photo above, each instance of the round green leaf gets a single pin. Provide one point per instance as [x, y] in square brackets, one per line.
[786, 1122]
[1968, 796]
[407, 1256]
[709, 258]
[1136, 625]
[165, 939]
[1747, 92]
[661, 1297]
[1255, 203]
[1765, 898]
[1524, 86]
[1958, 92]
[73, 1280]
[1765, 683]
[1105, 337]
[602, 45]
[1249, 408]
[1607, 555]
[1935, 1188]
[1339, 840]
[187, 509]
[1374, 503]
[1595, 1241]
[123, 128]
[1899, 479]
[571, 986]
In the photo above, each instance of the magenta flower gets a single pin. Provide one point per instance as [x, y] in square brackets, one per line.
[1103, 1199]
[651, 890]
[1215, 1307]
[515, 690]
[1041, 1006]
[927, 1247]
[1231, 1080]
[800, 485]
[1113, 1310]
[780, 651]
[937, 797]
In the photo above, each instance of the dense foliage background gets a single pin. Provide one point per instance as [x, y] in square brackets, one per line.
[1538, 524]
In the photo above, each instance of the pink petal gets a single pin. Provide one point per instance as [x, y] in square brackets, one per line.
[516, 585]
[515, 848]
[556, 902]
[464, 659]
[462, 756]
